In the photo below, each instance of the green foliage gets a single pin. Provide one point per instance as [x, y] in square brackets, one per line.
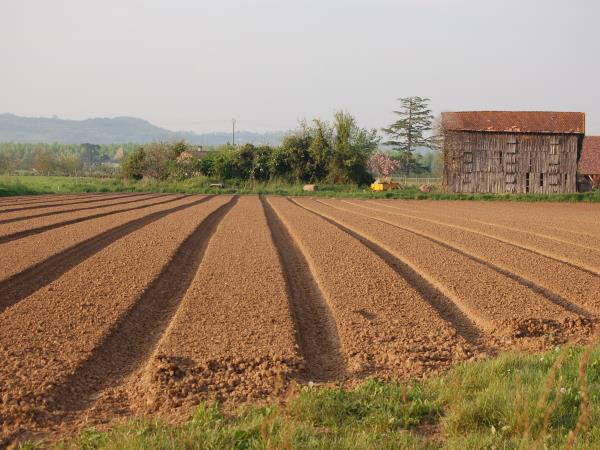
[23, 185]
[408, 132]
[134, 165]
[334, 153]
[60, 159]
[160, 161]
[320, 152]
[505, 402]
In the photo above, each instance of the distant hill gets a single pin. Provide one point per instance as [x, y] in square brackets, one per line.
[116, 130]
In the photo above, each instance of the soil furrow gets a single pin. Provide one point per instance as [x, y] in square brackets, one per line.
[25, 253]
[444, 306]
[536, 226]
[22, 234]
[569, 282]
[587, 260]
[385, 325]
[116, 358]
[40, 198]
[95, 200]
[232, 338]
[315, 327]
[19, 217]
[521, 315]
[552, 296]
[571, 226]
[49, 338]
[19, 286]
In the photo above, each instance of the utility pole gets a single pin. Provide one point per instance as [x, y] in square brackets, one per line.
[233, 131]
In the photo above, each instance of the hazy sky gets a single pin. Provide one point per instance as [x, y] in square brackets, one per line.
[193, 65]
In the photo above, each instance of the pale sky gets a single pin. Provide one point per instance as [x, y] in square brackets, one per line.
[193, 65]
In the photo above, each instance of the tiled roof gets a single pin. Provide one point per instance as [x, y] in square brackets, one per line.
[589, 163]
[515, 121]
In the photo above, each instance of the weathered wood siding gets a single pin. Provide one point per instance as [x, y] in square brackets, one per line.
[510, 162]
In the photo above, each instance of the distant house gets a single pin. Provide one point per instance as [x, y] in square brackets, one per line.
[197, 154]
[589, 163]
[512, 151]
[119, 154]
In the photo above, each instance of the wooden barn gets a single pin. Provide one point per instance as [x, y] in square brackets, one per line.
[512, 151]
[589, 163]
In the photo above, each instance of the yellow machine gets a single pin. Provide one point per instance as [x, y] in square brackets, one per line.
[384, 185]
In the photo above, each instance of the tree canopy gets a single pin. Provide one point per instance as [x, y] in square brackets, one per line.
[410, 130]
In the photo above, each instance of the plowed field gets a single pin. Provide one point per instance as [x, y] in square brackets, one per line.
[124, 305]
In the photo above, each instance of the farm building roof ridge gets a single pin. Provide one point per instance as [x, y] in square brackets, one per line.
[515, 121]
[589, 163]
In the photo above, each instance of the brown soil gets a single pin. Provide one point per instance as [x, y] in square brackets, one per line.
[233, 335]
[48, 198]
[16, 216]
[496, 302]
[541, 273]
[13, 228]
[55, 358]
[93, 199]
[120, 305]
[578, 255]
[386, 326]
[578, 226]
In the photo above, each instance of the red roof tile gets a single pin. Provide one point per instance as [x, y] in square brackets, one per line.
[589, 163]
[515, 121]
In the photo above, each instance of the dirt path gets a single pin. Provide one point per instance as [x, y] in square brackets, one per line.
[494, 301]
[233, 336]
[58, 358]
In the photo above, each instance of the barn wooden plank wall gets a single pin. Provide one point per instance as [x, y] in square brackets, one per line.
[510, 162]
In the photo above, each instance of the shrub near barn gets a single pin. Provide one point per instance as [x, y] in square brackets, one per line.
[334, 152]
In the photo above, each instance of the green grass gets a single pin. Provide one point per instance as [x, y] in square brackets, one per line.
[24, 185]
[511, 401]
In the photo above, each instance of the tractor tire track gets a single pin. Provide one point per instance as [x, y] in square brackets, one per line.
[23, 284]
[315, 327]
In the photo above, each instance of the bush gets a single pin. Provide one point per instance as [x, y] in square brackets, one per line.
[319, 152]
